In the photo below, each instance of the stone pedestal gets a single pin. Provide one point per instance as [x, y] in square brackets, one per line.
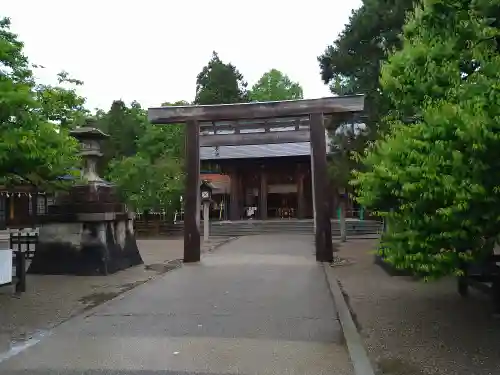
[86, 234]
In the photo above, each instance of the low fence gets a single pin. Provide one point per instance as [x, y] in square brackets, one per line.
[156, 226]
[13, 269]
[162, 225]
[24, 242]
[21, 245]
[360, 214]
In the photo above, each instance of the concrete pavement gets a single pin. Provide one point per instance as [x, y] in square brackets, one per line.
[258, 305]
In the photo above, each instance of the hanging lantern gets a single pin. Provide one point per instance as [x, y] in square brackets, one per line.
[7, 195]
[29, 195]
[19, 195]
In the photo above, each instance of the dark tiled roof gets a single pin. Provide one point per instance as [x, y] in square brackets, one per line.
[256, 151]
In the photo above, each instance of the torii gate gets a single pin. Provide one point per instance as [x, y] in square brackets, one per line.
[306, 118]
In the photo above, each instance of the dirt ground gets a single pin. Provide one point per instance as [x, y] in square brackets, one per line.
[50, 300]
[411, 327]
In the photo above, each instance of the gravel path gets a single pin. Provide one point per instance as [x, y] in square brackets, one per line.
[413, 328]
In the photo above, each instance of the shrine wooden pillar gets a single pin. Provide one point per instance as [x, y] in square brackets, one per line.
[300, 192]
[192, 242]
[235, 196]
[263, 195]
[34, 208]
[323, 227]
[12, 207]
[312, 188]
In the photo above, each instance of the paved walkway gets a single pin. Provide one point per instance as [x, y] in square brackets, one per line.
[258, 305]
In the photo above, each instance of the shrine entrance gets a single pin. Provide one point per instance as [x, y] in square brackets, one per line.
[291, 121]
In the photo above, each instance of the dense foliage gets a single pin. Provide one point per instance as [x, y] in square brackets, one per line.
[352, 64]
[436, 180]
[150, 176]
[35, 146]
[125, 125]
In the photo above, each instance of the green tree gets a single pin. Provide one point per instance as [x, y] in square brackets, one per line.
[352, 64]
[148, 185]
[346, 139]
[274, 86]
[152, 178]
[436, 180]
[220, 83]
[125, 125]
[62, 105]
[34, 147]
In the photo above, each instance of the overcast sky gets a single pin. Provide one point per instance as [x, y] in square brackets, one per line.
[152, 50]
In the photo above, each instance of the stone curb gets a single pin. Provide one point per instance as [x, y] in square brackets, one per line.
[359, 357]
[216, 246]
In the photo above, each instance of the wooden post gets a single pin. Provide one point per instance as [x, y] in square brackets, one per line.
[313, 190]
[3, 212]
[323, 232]
[192, 240]
[263, 195]
[496, 295]
[342, 222]
[206, 221]
[20, 270]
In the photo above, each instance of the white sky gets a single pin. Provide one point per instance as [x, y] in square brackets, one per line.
[152, 50]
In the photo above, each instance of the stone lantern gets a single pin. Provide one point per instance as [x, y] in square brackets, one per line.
[206, 197]
[88, 231]
[206, 191]
[90, 151]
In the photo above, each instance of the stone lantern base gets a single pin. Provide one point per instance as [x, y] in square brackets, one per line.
[86, 234]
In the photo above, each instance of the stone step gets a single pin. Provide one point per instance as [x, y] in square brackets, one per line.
[242, 228]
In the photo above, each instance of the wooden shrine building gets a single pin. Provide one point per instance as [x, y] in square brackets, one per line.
[274, 154]
[21, 205]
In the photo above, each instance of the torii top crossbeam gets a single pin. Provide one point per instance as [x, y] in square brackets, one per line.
[256, 110]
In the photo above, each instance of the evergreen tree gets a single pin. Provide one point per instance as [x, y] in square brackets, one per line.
[220, 83]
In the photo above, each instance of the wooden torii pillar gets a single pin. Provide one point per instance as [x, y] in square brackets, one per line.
[263, 112]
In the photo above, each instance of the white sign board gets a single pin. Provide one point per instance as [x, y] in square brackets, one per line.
[5, 266]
